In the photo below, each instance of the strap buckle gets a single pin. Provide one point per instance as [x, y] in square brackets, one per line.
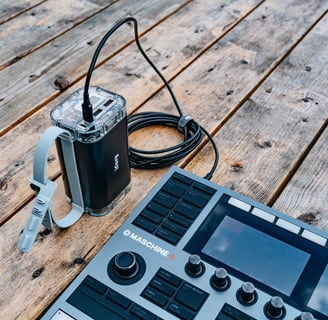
[45, 188]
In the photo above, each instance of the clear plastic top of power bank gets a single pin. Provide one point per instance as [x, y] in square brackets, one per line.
[108, 110]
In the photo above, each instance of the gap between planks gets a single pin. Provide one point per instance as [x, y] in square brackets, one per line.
[230, 114]
[292, 171]
[18, 13]
[79, 78]
[26, 53]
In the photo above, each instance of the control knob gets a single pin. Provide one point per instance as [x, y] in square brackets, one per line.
[247, 294]
[195, 267]
[275, 309]
[125, 265]
[220, 280]
[305, 316]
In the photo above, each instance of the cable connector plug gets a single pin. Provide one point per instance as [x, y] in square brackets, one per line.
[87, 111]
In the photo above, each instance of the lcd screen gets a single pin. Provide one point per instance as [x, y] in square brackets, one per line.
[260, 256]
[319, 298]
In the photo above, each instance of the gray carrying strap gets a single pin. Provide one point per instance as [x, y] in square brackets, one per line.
[42, 209]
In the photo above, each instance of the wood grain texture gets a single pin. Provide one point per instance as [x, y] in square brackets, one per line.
[11, 9]
[124, 79]
[264, 108]
[305, 196]
[36, 27]
[62, 260]
[266, 139]
[67, 58]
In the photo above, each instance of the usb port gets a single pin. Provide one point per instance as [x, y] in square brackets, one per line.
[108, 102]
[97, 112]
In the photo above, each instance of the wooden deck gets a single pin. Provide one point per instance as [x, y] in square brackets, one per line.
[254, 73]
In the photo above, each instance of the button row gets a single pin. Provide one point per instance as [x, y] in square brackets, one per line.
[101, 302]
[282, 223]
[173, 209]
[175, 295]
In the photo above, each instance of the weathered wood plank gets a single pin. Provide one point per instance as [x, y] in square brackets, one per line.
[69, 258]
[90, 233]
[123, 73]
[10, 9]
[266, 139]
[68, 57]
[305, 196]
[36, 27]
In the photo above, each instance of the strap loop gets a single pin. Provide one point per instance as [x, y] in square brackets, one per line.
[45, 188]
[183, 121]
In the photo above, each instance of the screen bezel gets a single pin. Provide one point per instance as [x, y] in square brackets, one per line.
[308, 279]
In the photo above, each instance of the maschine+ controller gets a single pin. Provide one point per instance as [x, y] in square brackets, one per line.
[195, 250]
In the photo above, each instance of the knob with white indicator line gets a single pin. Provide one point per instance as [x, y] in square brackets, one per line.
[220, 281]
[195, 267]
[275, 309]
[247, 294]
[305, 316]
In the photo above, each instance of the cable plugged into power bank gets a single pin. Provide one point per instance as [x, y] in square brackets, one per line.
[192, 131]
[91, 130]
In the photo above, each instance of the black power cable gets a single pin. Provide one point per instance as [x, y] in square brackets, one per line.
[192, 131]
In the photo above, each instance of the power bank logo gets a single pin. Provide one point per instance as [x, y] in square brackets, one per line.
[116, 162]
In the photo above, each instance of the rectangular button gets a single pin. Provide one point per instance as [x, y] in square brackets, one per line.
[167, 235]
[118, 298]
[204, 188]
[142, 313]
[195, 199]
[155, 297]
[182, 178]
[169, 277]
[229, 312]
[180, 311]
[174, 189]
[191, 296]
[172, 226]
[165, 200]
[158, 208]
[239, 204]
[187, 210]
[314, 237]
[95, 284]
[144, 224]
[151, 216]
[161, 286]
[263, 214]
[288, 226]
[180, 219]
[61, 315]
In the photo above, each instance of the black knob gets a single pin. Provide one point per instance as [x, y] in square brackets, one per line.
[220, 280]
[126, 265]
[275, 308]
[247, 294]
[195, 267]
[305, 316]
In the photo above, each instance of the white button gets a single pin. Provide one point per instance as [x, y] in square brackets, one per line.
[61, 315]
[288, 226]
[239, 204]
[314, 237]
[263, 214]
